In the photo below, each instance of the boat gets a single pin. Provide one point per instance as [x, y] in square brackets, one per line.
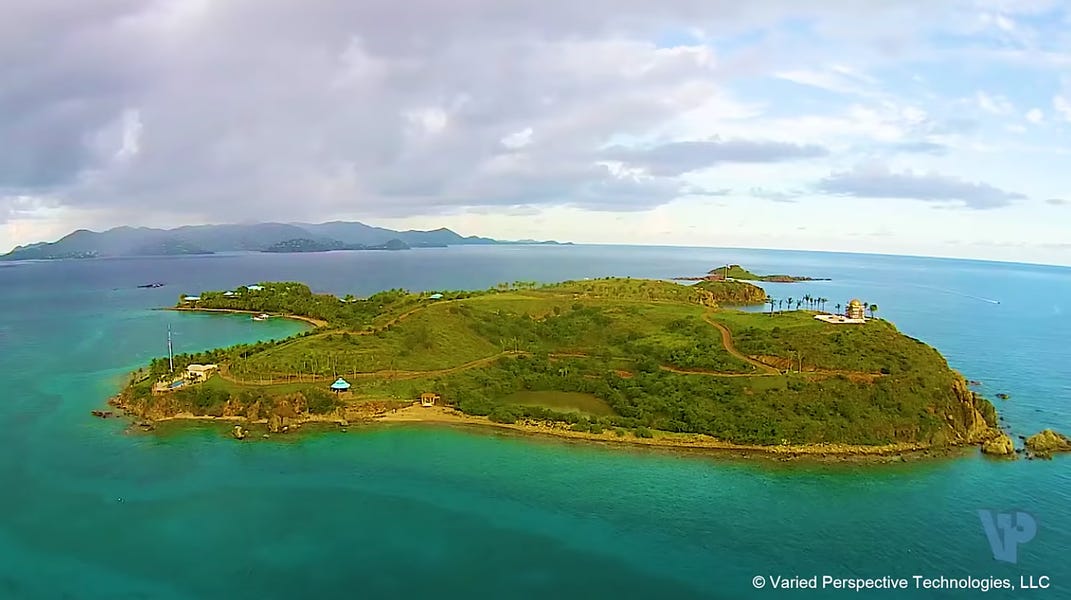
[156, 284]
[261, 317]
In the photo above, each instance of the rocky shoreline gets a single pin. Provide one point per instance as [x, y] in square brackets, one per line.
[381, 413]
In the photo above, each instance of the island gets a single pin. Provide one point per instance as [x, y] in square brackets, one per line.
[738, 273]
[635, 361]
[256, 237]
[309, 245]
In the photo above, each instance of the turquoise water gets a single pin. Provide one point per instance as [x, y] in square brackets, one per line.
[88, 511]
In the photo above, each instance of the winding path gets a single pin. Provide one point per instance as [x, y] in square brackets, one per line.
[727, 342]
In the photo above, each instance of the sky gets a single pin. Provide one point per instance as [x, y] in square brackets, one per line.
[936, 127]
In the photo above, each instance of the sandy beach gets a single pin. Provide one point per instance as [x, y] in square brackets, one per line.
[660, 439]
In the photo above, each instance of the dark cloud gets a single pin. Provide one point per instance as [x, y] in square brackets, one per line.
[677, 158]
[273, 109]
[929, 187]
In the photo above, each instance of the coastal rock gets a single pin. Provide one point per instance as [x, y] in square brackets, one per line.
[238, 433]
[1003, 396]
[971, 420]
[999, 445]
[1047, 442]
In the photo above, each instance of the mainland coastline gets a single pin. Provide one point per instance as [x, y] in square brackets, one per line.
[284, 402]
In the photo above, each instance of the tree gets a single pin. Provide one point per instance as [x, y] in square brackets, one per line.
[838, 308]
[790, 303]
[873, 309]
[771, 302]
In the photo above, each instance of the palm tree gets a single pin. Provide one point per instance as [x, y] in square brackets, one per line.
[808, 299]
[822, 304]
[838, 308]
[771, 302]
[873, 309]
[780, 305]
[790, 303]
[798, 304]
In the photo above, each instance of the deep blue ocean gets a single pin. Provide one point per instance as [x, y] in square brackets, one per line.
[89, 511]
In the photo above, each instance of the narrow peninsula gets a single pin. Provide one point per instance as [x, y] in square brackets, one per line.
[613, 360]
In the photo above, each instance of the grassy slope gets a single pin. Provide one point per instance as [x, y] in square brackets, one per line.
[628, 331]
[873, 348]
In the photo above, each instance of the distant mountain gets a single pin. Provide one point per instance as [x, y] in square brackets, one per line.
[260, 237]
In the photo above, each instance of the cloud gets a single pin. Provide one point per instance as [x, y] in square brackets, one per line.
[775, 195]
[1062, 106]
[879, 182]
[676, 158]
[223, 111]
[919, 147]
[994, 104]
[1058, 202]
[1035, 116]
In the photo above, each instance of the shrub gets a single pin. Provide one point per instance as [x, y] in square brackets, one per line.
[642, 432]
[503, 414]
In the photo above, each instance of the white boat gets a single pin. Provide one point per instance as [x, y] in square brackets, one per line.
[261, 317]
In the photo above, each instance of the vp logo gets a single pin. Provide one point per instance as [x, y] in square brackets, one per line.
[1006, 531]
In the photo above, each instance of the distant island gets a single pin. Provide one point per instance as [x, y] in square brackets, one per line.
[738, 273]
[261, 237]
[307, 245]
[612, 360]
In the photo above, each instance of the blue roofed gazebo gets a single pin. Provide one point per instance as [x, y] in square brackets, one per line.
[340, 386]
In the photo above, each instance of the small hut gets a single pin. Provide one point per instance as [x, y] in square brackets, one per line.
[339, 386]
[428, 399]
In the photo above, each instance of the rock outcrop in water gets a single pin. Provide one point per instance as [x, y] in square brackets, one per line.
[1046, 443]
[1000, 445]
[971, 419]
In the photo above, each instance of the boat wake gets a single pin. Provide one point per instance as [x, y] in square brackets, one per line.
[958, 293]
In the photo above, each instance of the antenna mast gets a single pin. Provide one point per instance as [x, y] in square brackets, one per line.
[170, 356]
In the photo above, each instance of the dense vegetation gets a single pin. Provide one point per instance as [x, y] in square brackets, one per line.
[642, 351]
[760, 410]
[297, 299]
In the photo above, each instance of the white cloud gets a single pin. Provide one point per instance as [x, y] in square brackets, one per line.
[994, 104]
[1035, 116]
[1062, 106]
[518, 139]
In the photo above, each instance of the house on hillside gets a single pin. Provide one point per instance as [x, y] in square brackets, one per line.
[199, 373]
[428, 399]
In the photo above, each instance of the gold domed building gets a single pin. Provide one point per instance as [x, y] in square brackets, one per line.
[855, 309]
